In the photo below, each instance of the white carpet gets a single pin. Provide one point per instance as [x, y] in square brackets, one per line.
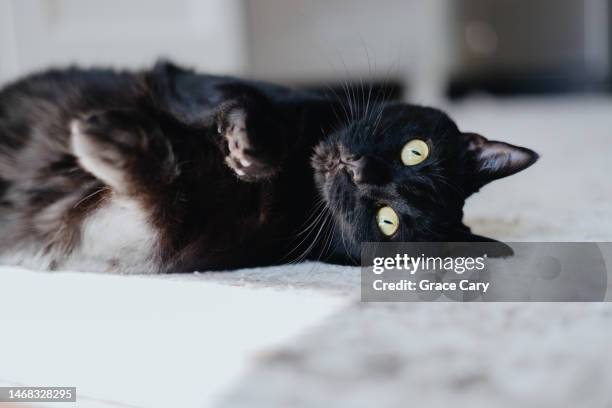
[297, 336]
[139, 341]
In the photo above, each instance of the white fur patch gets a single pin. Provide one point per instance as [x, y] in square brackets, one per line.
[116, 238]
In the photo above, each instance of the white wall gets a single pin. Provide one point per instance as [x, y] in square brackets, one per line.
[34, 34]
[280, 40]
[332, 40]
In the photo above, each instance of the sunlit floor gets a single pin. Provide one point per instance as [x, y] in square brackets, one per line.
[298, 336]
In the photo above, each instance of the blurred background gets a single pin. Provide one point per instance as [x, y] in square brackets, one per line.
[424, 50]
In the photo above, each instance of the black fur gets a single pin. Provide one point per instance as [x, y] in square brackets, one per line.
[231, 173]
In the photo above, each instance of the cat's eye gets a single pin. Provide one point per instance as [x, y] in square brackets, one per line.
[387, 220]
[414, 152]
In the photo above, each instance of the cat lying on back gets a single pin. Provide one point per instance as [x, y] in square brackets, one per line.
[168, 170]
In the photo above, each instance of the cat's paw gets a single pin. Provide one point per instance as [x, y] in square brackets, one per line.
[121, 149]
[242, 154]
[96, 153]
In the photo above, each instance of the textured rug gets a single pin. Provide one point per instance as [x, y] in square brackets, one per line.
[470, 355]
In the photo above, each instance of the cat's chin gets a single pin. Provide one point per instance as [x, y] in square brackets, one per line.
[339, 193]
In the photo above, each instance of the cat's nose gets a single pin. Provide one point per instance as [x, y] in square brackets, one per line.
[363, 170]
[354, 166]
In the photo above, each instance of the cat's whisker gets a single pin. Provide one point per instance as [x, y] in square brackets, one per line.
[344, 108]
[362, 98]
[346, 100]
[367, 107]
[326, 238]
[314, 241]
[334, 128]
[370, 76]
[308, 231]
[87, 197]
[332, 228]
[325, 229]
[382, 97]
[317, 207]
[379, 103]
[348, 92]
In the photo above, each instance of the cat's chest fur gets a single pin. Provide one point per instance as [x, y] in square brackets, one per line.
[116, 237]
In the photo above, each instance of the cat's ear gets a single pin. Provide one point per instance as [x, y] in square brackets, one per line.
[490, 160]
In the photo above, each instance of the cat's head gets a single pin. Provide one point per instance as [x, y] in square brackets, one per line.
[404, 175]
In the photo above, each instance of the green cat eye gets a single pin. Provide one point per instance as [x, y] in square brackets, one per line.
[387, 220]
[414, 152]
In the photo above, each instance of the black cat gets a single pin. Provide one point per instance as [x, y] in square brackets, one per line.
[169, 170]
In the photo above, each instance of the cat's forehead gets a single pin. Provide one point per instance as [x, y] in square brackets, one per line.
[392, 125]
[417, 118]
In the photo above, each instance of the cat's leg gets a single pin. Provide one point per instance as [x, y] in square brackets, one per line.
[131, 156]
[253, 138]
[124, 150]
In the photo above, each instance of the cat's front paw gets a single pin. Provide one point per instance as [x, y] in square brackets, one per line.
[243, 156]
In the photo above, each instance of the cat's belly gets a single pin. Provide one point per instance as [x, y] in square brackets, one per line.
[115, 238]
